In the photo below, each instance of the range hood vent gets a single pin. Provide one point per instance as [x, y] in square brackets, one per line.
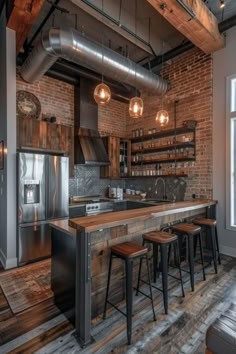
[89, 147]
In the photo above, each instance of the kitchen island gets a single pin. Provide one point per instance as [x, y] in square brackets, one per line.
[80, 253]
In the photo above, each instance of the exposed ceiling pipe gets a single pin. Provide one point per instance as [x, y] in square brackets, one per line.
[169, 55]
[71, 73]
[69, 44]
[223, 26]
[227, 24]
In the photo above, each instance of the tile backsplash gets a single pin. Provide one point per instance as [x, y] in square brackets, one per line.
[87, 182]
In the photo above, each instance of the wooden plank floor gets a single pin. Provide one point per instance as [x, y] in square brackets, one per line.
[43, 329]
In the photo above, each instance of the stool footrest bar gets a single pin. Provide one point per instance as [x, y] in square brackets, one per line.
[141, 292]
[117, 308]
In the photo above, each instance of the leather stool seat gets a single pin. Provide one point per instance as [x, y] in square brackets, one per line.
[188, 228]
[204, 222]
[129, 250]
[221, 335]
[159, 237]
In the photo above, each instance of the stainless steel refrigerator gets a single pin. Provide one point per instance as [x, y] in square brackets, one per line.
[43, 196]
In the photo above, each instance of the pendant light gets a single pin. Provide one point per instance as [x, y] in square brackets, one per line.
[136, 103]
[102, 92]
[162, 116]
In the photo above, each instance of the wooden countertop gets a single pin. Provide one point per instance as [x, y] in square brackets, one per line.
[103, 221]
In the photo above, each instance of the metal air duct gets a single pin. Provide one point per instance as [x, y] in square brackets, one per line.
[72, 46]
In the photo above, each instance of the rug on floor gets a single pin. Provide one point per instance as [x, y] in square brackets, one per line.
[27, 286]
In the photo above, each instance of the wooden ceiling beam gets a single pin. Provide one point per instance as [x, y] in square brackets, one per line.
[201, 29]
[22, 17]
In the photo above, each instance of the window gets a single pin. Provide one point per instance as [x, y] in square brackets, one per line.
[231, 153]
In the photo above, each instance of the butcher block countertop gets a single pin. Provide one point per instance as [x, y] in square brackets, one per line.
[104, 221]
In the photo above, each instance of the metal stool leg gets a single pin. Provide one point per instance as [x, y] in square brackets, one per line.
[129, 297]
[169, 254]
[150, 286]
[155, 261]
[217, 246]
[213, 239]
[164, 269]
[177, 262]
[191, 259]
[202, 257]
[139, 275]
[108, 286]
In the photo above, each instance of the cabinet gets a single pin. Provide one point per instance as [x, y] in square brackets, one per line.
[119, 154]
[36, 135]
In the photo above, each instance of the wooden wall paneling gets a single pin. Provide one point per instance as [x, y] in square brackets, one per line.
[36, 133]
[112, 144]
[25, 132]
[43, 135]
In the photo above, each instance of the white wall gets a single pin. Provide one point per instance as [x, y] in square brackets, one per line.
[224, 64]
[8, 135]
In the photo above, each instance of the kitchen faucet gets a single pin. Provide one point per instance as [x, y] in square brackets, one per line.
[164, 185]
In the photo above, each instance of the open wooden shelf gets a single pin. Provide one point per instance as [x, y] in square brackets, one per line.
[169, 160]
[163, 134]
[172, 175]
[164, 148]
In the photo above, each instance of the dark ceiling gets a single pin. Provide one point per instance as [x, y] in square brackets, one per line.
[222, 13]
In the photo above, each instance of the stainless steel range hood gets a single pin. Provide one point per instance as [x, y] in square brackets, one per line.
[89, 147]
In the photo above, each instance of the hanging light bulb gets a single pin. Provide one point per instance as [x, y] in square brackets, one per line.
[135, 103]
[136, 107]
[102, 94]
[222, 4]
[162, 118]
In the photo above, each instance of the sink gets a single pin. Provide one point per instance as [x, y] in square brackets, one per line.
[159, 201]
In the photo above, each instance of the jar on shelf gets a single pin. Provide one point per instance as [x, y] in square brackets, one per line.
[154, 130]
[134, 133]
[137, 133]
[141, 132]
[149, 131]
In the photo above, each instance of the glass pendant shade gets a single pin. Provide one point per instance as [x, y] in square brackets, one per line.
[102, 94]
[162, 118]
[136, 107]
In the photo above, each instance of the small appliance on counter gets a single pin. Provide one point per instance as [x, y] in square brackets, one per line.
[43, 194]
[115, 193]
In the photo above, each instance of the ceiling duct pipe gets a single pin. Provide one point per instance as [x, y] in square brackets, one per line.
[69, 44]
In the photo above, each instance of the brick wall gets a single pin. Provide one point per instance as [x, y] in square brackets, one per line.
[190, 75]
[57, 99]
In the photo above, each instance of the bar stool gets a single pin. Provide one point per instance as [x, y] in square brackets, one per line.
[211, 225]
[128, 251]
[190, 231]
[164, 240]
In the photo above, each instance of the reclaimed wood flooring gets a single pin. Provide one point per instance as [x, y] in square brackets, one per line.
[43, 329]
